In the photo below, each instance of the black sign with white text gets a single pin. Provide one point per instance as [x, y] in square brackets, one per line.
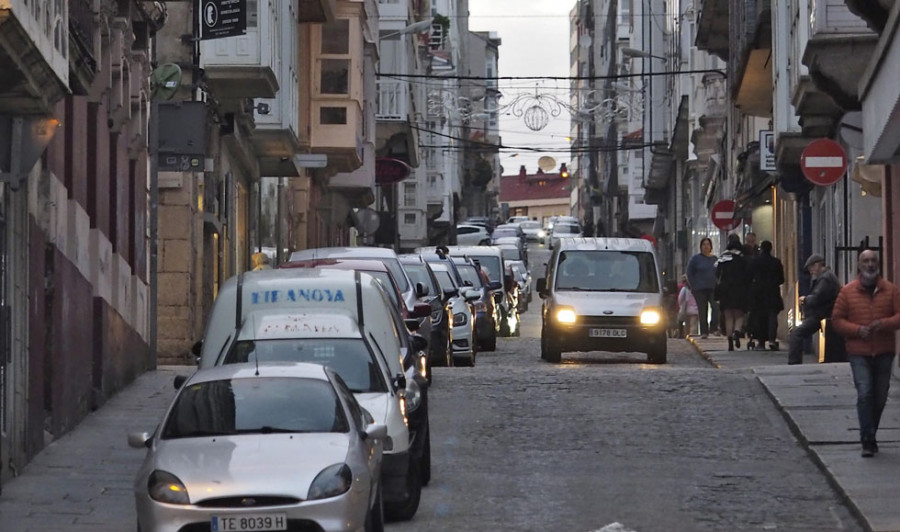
[222, 18]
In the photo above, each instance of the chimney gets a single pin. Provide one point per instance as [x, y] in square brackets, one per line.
[522, 173]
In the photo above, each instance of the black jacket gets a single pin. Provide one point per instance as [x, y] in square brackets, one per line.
[732, 280]
[766, 277]
[822, 294]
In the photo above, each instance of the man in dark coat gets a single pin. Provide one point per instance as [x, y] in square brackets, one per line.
[816, 305]
[766, 278]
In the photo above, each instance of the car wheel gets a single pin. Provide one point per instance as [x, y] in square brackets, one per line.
[375, 517]
[491, 343]
[550, 348]
[404, 511]
[426, 457]
[657, 355]
[485, 243]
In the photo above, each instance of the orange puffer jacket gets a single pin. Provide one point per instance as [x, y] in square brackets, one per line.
[855, 308]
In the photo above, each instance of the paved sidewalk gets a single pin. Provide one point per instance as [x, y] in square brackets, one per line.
[819, 403]
[83, 481]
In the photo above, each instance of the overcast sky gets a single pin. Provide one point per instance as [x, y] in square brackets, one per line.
[534, 42]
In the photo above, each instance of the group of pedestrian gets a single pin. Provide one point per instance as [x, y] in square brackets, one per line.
[865, 313]
[737, 294]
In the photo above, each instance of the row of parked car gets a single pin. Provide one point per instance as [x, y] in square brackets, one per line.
[309, 409]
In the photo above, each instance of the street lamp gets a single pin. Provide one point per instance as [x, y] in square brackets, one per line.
[415, 27]
[634, 52]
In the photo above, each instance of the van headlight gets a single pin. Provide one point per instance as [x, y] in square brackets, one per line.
[565, 315]
[650, 317]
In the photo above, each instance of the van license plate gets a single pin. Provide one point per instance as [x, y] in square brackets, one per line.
[249, 522]
[609, 333]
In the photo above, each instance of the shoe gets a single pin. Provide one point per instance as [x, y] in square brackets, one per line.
[751, 344]
[760, 347]
[736, 336]
[773, 346]
[704, 336]
[730, 344]
[868, 449]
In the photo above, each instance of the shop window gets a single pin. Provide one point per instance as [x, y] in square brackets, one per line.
[409, 194]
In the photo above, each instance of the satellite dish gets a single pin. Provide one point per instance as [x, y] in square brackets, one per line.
[164, 81]
[546, 163]
[585, 41]
[366, 220]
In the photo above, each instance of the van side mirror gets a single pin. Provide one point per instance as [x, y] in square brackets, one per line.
[542, 286]
[421, 290]
[450, 292]
[197, 348]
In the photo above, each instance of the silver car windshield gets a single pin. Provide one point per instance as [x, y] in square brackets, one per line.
[262, 405]
[607, 271]
[491, 266]
[348, 357]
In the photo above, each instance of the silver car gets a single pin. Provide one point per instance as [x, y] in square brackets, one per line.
[269, 447]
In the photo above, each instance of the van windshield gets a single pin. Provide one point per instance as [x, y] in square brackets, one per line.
[348, 357]
[607, 271]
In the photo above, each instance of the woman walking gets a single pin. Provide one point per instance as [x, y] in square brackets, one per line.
[701, 274]
[766, 277]
[731, 290]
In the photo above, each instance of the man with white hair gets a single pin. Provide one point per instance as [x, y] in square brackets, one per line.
[866, 313]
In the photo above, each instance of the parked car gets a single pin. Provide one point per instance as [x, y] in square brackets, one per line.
[517, 219]
[508, 230]
[439, 344]
[465, 349]
[513, 249]
[564, 229]
[235, 433]
[490, 258]
[602, 294]
[290, 314]
[484, 221]
[486, 318]
[523, 279]
[472, 235]
[438, 255]
[532, 230]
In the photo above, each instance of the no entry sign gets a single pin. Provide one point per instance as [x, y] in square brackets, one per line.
[722, 215]
[823, 162]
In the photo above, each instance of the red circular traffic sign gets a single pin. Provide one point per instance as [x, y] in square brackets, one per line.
[723, 215]
[823, 162]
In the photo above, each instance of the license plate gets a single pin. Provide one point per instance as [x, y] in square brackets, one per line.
[609, 333]
[248, 522]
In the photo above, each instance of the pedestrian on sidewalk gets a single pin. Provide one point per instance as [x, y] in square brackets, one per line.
[766, 277]
[815, 306]
[732, 283]
[866, 313]
[701, 274]
[687, 309]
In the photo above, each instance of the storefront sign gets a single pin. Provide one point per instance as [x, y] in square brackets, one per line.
[222, 18]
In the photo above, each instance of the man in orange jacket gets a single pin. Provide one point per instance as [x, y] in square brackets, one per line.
[866, 313]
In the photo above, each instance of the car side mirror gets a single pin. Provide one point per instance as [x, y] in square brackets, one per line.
[472, 295]
[542, 286]
[399, 382]
[412, 324]
[450, 292]
[136, 440]
[421, 310]
[421, 290]
[377, 431]
[419, 343]
[179, 381]
[197, 348]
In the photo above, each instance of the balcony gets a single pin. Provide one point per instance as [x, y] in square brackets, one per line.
[34, 56]
[712, 27]
[275, 137]
[337, 133]
[837, 52]
[393, 113]
[245, 66]
[750, 65]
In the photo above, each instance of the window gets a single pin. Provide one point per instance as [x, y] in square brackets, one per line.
[335, 76]
[409, 218]
[336, 37]
[409, 194]
[333, 115]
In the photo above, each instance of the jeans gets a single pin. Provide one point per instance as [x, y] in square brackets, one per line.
[799, 333]
[872, 377]
[704, 298]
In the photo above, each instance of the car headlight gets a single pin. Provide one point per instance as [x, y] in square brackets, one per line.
[542, 233]
[413, 396]
[166, 487]
[565, 315]
[650, 317]
[331, 482]
[460, 319]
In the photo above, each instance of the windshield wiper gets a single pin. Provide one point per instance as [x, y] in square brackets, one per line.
[198, 434]
[266, 430]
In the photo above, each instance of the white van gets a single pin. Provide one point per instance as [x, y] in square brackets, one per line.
[338, 318]
[602, 294]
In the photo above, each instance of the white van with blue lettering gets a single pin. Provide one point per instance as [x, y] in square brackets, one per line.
[337, 318]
